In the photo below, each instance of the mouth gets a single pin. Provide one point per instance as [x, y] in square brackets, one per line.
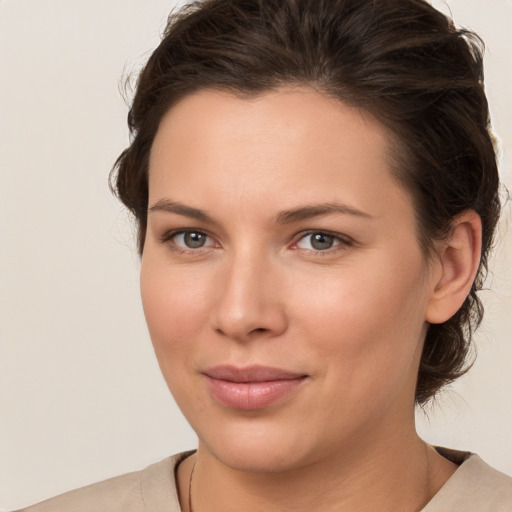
[252, 387]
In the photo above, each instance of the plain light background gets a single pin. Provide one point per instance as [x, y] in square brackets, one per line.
[81, 396]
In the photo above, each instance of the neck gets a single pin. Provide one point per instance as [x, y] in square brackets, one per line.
[386, 477]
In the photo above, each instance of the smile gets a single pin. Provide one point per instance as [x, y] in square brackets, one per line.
[251, 388]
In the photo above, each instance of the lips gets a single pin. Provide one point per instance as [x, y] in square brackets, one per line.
[253, 387]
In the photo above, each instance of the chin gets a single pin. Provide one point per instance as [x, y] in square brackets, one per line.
[255, 458]
[256, 448]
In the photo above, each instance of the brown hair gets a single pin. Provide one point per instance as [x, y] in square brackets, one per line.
[401, 60]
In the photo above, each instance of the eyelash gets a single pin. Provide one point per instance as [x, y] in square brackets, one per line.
[168, 239]
[343, 241]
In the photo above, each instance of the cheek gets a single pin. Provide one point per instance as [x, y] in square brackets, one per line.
[369, 343]
[175, 307]
[367, 322]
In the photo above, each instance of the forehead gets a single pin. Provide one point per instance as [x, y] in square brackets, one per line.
[290, 144]
[291, 112]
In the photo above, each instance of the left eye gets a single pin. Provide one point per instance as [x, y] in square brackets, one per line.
[192, 239]
[318, 241]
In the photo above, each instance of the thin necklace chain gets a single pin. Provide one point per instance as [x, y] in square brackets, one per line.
[190, 487]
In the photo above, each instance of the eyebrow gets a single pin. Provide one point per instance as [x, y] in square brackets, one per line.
[166, 205]
[317, 210]
[284, 217]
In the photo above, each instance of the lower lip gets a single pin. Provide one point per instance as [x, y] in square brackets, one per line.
[249, 396]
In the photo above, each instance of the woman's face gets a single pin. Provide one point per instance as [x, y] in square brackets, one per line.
[282, 281]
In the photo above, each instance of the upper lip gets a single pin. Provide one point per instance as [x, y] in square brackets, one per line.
[254, 373]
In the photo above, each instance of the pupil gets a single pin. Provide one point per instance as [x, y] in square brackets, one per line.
[321, 241]
[194, 240]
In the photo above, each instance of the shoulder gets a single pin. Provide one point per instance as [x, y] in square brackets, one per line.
[474, 487]
[152, 489]
[108, 495]
[490, 485]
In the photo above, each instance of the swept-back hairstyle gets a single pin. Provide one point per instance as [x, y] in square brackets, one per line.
[401, 60]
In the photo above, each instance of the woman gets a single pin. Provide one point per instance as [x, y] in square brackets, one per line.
[316, 193]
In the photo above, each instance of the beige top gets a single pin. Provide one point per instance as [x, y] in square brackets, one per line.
[474, 487]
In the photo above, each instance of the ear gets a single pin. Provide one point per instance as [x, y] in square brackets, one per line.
[458, 259]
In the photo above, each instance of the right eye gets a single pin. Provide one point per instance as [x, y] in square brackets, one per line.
[191, 239]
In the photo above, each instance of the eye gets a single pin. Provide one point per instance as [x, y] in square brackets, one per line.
[191, 239]
[319, 241]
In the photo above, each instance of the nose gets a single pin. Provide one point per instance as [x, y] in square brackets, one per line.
[251, 302]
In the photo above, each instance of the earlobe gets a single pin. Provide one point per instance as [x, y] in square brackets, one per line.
[459, 258]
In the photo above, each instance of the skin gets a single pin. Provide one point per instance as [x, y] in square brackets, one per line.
[352, 317]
